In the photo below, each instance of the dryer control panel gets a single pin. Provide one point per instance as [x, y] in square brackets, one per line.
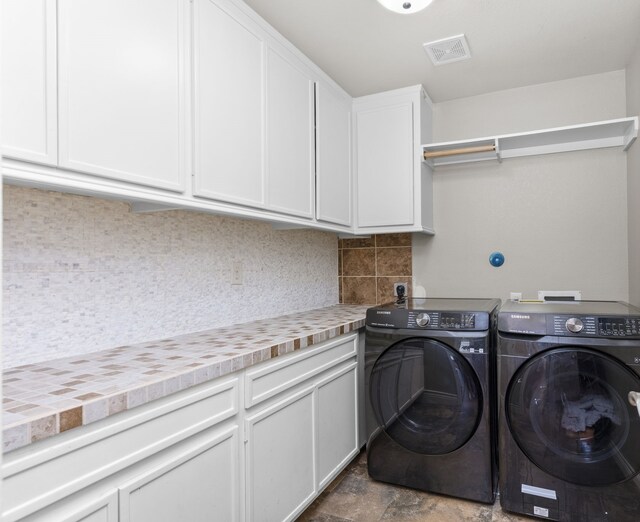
[593, 326]
[618, 326]
[604, 319]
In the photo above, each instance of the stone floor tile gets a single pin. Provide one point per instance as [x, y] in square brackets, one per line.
[354, 497]
[359, 498]
[314, 516]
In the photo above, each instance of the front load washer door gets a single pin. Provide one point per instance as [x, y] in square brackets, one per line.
[567, 410]
[425, 396]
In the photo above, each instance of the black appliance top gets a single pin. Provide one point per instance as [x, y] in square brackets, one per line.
[433, 314]
[613, 319]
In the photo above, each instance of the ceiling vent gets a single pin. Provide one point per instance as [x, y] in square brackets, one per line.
[448, 50]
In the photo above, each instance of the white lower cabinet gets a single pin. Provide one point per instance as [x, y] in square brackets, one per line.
[200, 481]
[301, 427]
[280, 453]
[337, 413]
[202, 454]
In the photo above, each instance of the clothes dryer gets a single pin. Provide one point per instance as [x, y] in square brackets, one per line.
[430, 401]
[569, 438]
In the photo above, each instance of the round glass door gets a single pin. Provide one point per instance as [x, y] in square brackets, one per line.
[425, 396]
[567, 410]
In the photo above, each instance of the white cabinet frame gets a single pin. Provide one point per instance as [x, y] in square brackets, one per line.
[108, 504]
[11, 73]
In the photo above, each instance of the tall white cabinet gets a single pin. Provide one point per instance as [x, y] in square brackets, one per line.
[253, 114]
[29, 84]
[290, 134]
[393, 184]
[333, 155]
[229, 105]
[121, 89]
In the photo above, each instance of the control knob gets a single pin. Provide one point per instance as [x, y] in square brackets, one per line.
[423, 319]
[574, 325]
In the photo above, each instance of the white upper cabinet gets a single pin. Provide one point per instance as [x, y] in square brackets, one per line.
[253, 114]
[29, 110]
[393, 185]
[333, 159]
[229, 115]
[290, 134]
[195, 104]
[385, 166]
[122, 89]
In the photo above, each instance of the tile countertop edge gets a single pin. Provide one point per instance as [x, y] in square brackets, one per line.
[46, 419]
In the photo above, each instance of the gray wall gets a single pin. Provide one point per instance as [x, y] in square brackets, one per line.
[83, 274]
[633, 193]
[560, 219]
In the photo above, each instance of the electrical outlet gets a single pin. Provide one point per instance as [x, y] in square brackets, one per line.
[236, 273]
[515, 296]
[395, 288]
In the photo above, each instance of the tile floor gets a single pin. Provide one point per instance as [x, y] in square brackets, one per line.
[354, 497]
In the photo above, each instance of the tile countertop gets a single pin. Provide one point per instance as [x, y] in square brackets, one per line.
[44, 399]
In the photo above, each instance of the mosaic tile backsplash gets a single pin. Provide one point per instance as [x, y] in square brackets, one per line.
[83, 274]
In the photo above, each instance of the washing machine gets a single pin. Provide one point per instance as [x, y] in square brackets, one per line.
[430, 411]
[569, 438]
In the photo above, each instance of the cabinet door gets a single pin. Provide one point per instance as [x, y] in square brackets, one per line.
[29, 110]
[333, 161]
[290, 135]
[229, 111]
[89, 505]
[385, 168]
[337, 423]
[105, 509]
[202, 484]
[121, 84]
[280, 458]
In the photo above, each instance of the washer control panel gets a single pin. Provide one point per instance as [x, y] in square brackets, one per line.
[442, 320]
[595, 326]
[417, 319]
[428, 320]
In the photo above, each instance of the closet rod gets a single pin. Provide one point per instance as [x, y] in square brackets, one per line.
[454, 152]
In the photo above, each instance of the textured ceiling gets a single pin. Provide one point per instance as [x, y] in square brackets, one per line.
[366, 48]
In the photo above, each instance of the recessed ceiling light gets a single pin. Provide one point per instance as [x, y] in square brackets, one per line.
[405, 6]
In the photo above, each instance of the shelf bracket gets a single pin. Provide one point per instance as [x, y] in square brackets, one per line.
[631, 135]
